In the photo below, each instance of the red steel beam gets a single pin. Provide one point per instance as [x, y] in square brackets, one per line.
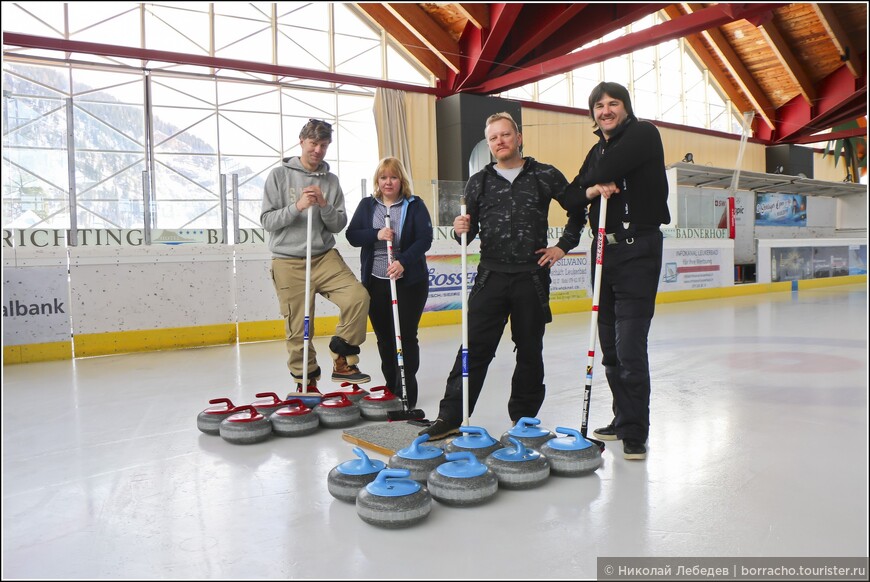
[480, 48]
[841, 98]
[75, 46]
[710, 17]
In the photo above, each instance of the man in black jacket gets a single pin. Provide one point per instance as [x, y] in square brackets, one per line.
[507, 204]
[627, 167]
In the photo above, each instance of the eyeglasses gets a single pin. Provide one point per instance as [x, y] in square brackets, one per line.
[320, 122]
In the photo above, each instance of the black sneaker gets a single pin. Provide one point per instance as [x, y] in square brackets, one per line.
[439, 429]
[608, 433]
[633, 450]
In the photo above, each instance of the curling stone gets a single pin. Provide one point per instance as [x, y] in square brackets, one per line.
[529, 433]
[209, 420]
[462, 481]
[337, 411]
[245, 426]
[419, 460]
[571, 455]
[518, 467]
[475, 440]
[393, 501]
[294, 419]
[345, 480]
[355, 393]
[379, 401]
[268, 403]
[310, 398]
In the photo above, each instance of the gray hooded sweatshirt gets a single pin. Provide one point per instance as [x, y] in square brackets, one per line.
[287, 226]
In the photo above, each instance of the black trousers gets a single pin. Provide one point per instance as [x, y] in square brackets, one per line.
[411, 300]
[496, 297]
[629, 283]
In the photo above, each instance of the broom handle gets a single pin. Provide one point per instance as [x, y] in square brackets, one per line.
[464, 241]
[394, 296]
[307, 326]
[593, 327]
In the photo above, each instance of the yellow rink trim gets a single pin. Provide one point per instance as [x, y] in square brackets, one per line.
[101, 344]
[37, 353]
[147, 340]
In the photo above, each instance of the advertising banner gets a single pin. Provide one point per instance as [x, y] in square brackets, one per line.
[568, 279]
[780, 209]
[817, 262]
[693, 268]
[35, 305]
[445, 280]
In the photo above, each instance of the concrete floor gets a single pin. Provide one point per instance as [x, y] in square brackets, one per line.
[758, 447]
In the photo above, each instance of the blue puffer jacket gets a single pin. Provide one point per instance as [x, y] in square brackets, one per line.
[415, 240]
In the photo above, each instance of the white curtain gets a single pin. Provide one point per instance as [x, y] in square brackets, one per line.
[392, 126]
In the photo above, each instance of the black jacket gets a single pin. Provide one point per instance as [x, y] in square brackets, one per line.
[634, 159]
[511, 218]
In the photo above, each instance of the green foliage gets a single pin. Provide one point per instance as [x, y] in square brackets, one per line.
[849, 149]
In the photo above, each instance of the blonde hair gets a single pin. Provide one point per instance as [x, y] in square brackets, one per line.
[499, 116]
[394, 165]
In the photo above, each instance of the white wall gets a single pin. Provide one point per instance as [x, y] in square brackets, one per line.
[151, 287]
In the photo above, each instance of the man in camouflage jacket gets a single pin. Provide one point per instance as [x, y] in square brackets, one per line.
[507, 207]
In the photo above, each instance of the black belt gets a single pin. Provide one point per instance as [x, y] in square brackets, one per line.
[613, 238]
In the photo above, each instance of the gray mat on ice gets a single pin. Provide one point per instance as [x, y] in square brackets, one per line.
[388, 437]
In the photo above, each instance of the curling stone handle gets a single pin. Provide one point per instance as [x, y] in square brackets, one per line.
[518, 444]
[274, 396]
[246, 408]
[338, 395]
[527, 421]
[294, 402]
[415, 444]
[366, 461]
[569, 432]
[392, 474]
[226, 401]
[463, 456]
[476, 430]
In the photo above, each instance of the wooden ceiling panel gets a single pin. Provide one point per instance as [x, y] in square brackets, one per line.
[451, 17]
[808, 39]
[830, 20]
[761, 62]
[792, 66]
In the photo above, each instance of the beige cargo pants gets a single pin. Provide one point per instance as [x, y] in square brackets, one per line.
[332, 279]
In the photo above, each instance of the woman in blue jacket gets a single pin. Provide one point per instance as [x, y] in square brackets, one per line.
[411, 233]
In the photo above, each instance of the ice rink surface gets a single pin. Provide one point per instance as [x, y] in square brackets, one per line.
[758, 447]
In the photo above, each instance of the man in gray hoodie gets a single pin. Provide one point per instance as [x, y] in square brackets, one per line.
[304, 184]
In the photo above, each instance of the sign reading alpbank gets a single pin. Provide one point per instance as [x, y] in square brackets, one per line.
[36, 305]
